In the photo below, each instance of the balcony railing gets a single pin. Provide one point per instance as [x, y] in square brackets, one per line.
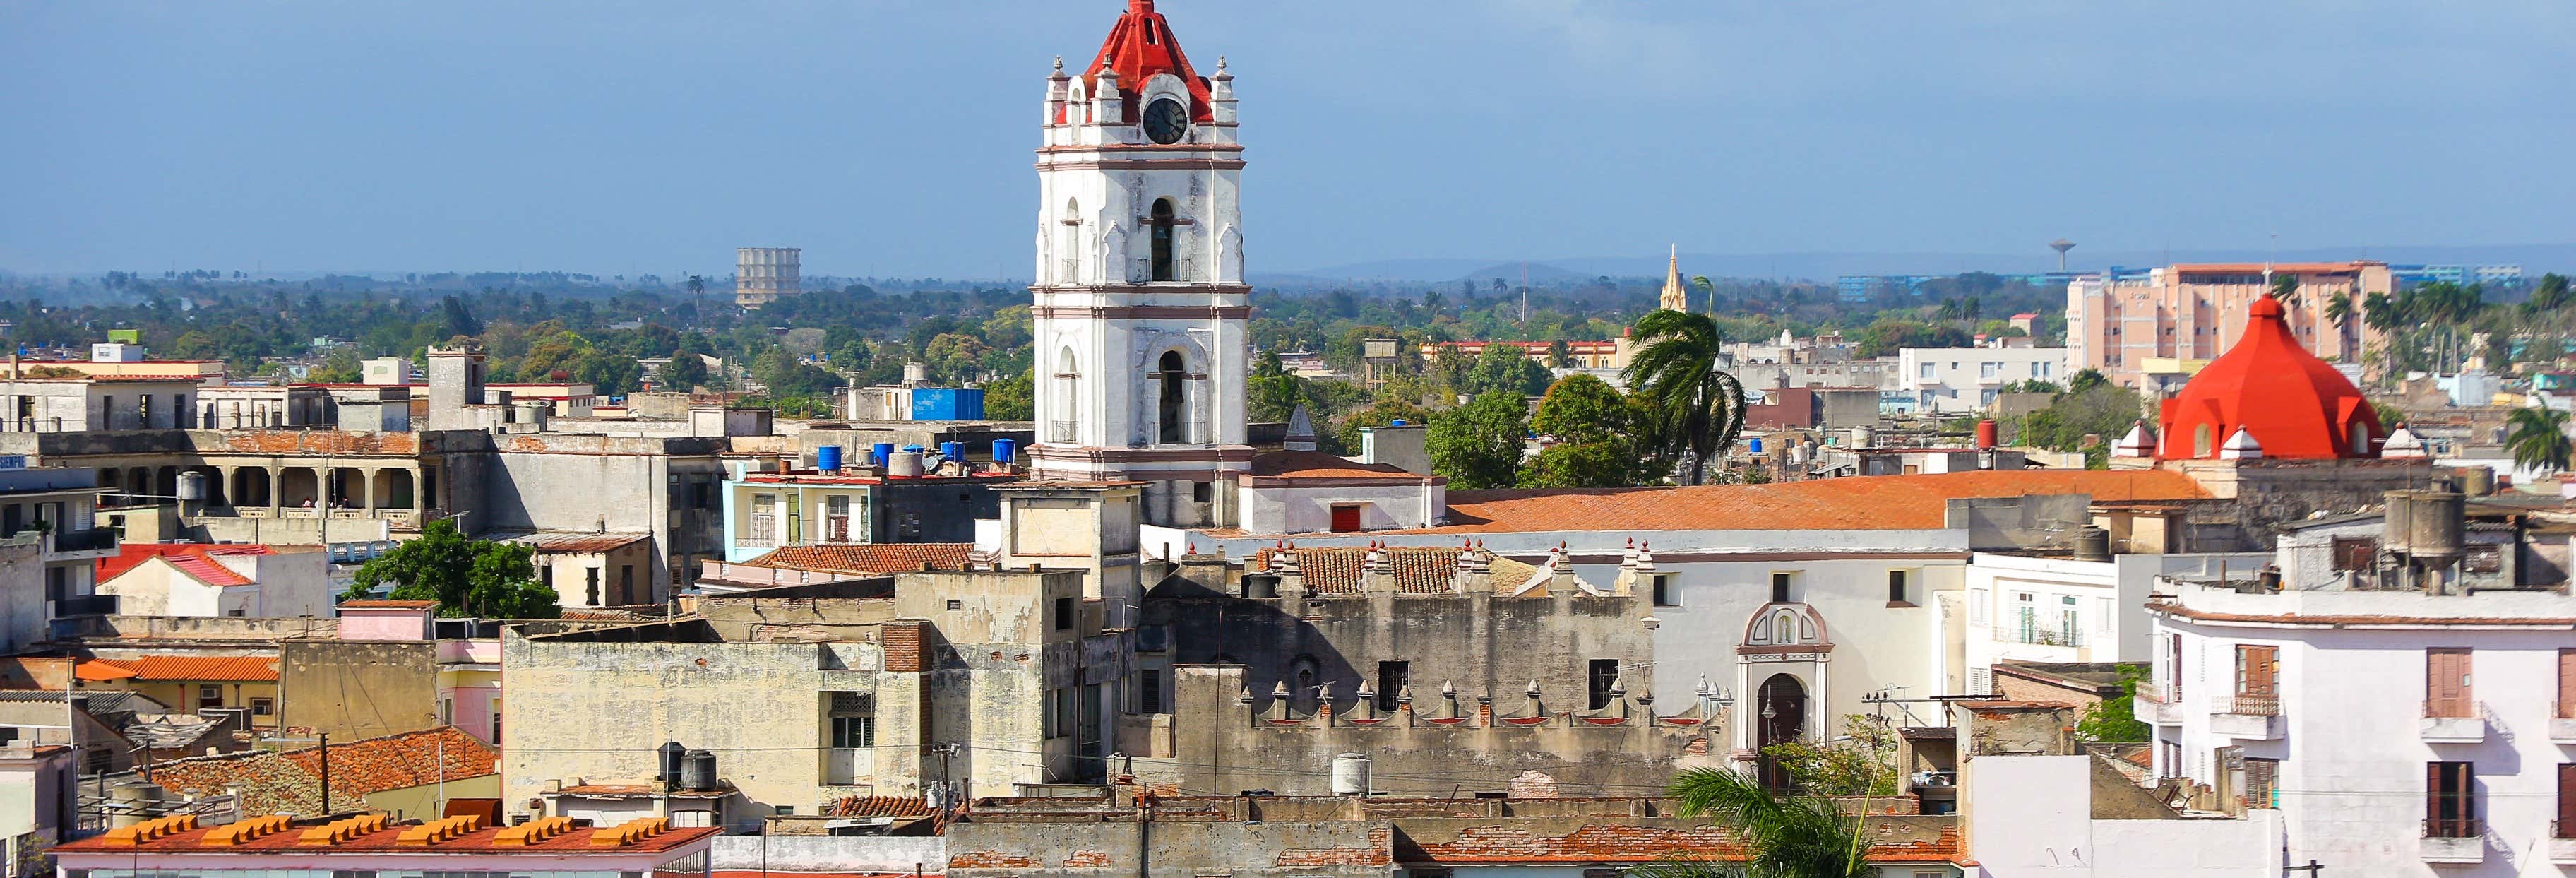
[2252, 705]
[2454, 827]
[96, 539]
[2040, 636]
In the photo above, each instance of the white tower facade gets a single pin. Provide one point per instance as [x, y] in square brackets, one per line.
[1140, 300]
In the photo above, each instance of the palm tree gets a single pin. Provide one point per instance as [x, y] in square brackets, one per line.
[2537, 437]
[1786, 835]
[2285, 287]
[2339, 313]
[1696, 409]
[1701, 283]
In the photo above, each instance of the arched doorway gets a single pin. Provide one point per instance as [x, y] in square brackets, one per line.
[1174, 399]
[1163, 220]
[1782, 710]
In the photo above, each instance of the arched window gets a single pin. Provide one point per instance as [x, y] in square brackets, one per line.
[1063, 418]
[1170, 376]
[2360, 438]
[1162, 221]
[2200, 440]
[1068, 248]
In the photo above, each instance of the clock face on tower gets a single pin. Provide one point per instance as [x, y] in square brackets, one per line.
[1166, 120]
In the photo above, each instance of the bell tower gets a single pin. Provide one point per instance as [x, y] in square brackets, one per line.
[1140, 302]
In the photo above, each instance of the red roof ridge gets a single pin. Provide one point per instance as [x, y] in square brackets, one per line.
[1140, 46]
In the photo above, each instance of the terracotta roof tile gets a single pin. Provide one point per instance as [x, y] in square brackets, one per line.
[579, 544]
[290, 782]
[574, 844]
[1336, 569]
[1858, 503]
[229, 668]
[871, 558]
[879, 806]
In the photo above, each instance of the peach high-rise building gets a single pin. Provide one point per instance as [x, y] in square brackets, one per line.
[2152, 333]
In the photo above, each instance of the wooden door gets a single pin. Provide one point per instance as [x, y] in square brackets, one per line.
[2446, 683]
[2567, 688]
[2258, 678]
[2566, 798]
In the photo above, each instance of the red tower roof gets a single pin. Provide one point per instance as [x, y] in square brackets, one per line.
[2293, 404]
[1140, 46]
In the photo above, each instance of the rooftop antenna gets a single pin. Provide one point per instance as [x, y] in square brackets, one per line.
[2061, 245]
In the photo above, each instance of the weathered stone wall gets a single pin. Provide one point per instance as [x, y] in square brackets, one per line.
[359, 689]
[1223, 745]
[1159, 849]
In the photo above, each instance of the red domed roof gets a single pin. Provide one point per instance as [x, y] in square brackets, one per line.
[1141, 46]
[2293, 404]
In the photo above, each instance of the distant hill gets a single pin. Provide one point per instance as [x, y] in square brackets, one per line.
[1824, 266]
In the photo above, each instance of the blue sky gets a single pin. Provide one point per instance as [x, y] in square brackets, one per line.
[894, 137]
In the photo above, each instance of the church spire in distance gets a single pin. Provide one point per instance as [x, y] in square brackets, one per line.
[1676, 297]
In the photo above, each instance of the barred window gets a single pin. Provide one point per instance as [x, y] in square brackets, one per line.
[2355, 553]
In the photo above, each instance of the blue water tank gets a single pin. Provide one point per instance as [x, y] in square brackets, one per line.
[880, 453]
[1396, 423]
[947, 404]
[1005, 450]
[913, 449]
[953, 450]
[1753, 445]
[828, 458]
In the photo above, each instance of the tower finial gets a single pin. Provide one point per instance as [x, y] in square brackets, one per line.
[1059, 65]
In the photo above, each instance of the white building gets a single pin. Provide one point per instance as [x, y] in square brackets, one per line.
[765, 274]
[220, 580]
[2405, 704]
[2051, 817]
[2053, 610]
[1965, 380]
[1140, 295]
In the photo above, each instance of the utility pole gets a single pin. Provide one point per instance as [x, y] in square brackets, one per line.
[326, 775]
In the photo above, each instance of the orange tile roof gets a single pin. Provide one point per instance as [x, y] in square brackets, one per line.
[290, 782]
[1318, 465]
[878, 806]
[870, 558]
[579, 544]
[485, 840]
[1857, 503]
[98, 671]
[237, 669]
[1336, 569]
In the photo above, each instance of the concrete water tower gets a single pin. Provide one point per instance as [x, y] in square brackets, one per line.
[2061, 245]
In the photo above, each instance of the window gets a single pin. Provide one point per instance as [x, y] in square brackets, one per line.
[786, 810]
[546, 575]
[1925, 372]
[854, 720]
[1896, 588]
[1981, 681]
[1780, 588]
[1392, 677]
[1064, 614]
[1202, 492]
[2446, 683]
[2169, 759]
[764, 521]
[2258, 680]
[1977, 607]
[2566, 702]
[2482, 558]
[1162, 221]
[590, 578]
[836, 518]
[625, 584]
[1989, 370]
[2069, 628]
[263, 706]
[1149, 691]
[2450, 800]
[1175, 399]
[1346, 518]
[447, 711]
[57, 583]
[2354, 553]
[2102, 614]
[2262, 779]
[209, 696]
[1604, 675]
[955, 604]
[1665, 596]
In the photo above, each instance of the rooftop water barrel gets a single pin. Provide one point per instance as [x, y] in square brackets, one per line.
[828, 458]
[1005, 450]
[881, 454]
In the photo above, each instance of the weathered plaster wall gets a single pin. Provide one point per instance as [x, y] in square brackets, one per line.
[359, 689]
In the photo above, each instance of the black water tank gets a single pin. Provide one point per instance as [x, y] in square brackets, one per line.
[672, 756]
[698, 772]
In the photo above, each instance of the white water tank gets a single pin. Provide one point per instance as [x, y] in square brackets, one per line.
[1350, 775]
[192, 487]
[906, 465]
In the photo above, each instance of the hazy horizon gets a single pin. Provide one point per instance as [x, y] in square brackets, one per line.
[893, 138]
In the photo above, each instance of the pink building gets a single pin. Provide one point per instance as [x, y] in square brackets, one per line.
[2154, 333]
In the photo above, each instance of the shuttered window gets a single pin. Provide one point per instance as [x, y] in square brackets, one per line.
[2450, 800]
[2446, 683]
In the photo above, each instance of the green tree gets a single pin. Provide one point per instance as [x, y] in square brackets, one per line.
[2104, 411]
[338, 367]
[683, 374]
[559, 352]
[608, 373]
[786, 375]
[2285, 288]
[1580, 408]
[1860, 763]
[1478, 445]
[1695, 410]
[1581, 465]
[2086, 379]
[1559, 355]
[1786, 835]
[2113, 719]
[2552, 293]
[1505, 368]
[2537, 438]
[1013, 398]
[467, 577]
